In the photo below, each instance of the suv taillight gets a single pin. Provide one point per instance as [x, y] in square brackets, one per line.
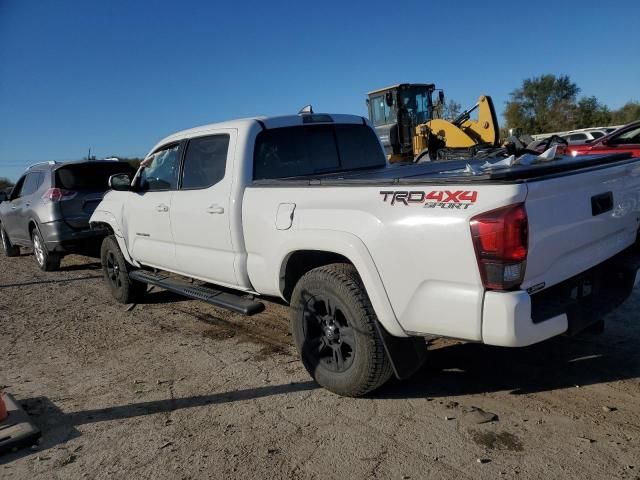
[57, 195]
[500, 238]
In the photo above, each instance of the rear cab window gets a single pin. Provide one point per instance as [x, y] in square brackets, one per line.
[315, 149]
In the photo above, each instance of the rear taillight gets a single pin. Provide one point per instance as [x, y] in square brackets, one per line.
[500, 238]
[57, 195]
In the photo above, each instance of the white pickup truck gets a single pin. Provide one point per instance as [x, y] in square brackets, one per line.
[372, 257]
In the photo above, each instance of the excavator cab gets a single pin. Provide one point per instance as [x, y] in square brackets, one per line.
[396, 111]
[405, 120]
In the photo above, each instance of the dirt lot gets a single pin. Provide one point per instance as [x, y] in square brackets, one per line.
[179, 389]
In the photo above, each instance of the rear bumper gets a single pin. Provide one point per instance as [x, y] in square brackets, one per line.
[518, 319]
[61, 238]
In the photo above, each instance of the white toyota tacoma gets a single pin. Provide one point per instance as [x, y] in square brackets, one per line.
[372, 257]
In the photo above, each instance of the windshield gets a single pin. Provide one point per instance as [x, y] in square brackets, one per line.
[629, 137]
[417, 102]
[381, 113]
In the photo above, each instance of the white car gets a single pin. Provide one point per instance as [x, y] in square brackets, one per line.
[372, 257]
[583, 136]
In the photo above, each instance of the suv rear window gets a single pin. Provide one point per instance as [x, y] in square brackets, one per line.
[87, 177]
[315, 149]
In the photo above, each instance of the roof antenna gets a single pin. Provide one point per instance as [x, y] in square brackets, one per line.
[306, 109]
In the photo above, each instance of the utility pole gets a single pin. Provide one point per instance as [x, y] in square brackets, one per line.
[89, 156]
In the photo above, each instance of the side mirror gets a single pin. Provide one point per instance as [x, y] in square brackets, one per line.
[388, 98]
[605, 141]
[441, 97]
[120, 182]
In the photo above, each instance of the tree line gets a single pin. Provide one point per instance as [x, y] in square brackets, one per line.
[551, 104]
[5, 183]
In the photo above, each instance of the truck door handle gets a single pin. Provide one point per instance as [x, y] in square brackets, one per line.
[215, 209]
[162, 208]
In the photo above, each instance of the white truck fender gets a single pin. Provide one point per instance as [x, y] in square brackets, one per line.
[107, 218]
[351, 247]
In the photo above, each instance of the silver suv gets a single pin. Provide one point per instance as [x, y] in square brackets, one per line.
[49, 209]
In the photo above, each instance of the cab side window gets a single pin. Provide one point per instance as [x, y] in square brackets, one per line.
[205, 161]
[160, 170]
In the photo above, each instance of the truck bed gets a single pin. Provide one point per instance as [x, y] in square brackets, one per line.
[450, 172]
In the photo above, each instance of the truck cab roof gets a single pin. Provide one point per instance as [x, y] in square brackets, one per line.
[265, 122]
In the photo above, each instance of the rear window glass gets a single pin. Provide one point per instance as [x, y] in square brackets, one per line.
[315, 149]
[89, 176]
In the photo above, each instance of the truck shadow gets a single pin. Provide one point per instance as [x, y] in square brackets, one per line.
[58, 427]
[82, 266]
[563, 362]
[44, 282]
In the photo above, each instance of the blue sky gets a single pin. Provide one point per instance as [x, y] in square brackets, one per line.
[119, 75]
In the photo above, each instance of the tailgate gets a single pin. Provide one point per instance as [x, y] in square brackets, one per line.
[579, 220]
[77, 210]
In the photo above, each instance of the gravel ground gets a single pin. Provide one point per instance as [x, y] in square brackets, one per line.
[179, 389]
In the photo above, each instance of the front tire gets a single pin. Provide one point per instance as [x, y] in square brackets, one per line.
[116, 273]
[8, 249]
[47, 261]
[333, 327]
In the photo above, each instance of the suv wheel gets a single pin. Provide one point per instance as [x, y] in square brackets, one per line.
[116, 273]
[47, 261]
[333, 327]
[8, 249]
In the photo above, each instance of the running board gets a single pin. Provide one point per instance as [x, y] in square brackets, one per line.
[227, 300]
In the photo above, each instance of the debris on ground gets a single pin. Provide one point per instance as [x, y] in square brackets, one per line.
[478, 416]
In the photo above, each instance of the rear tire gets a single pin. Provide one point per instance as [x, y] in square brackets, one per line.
[333, 327]
[47, 261]
[116, 273]
[8, 249]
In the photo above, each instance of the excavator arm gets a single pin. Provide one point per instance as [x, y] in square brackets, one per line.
[463, 132]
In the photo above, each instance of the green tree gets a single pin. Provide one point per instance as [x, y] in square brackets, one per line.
[452, 109]
[5, 183]
[448, 110]
[591, 113]
[543, 104]
[630, 112]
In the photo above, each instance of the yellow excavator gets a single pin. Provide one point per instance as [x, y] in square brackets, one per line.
[406, 121]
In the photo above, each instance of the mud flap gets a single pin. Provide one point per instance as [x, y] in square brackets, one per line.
[407, 355]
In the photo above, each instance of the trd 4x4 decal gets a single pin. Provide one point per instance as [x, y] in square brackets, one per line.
[458, 199]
